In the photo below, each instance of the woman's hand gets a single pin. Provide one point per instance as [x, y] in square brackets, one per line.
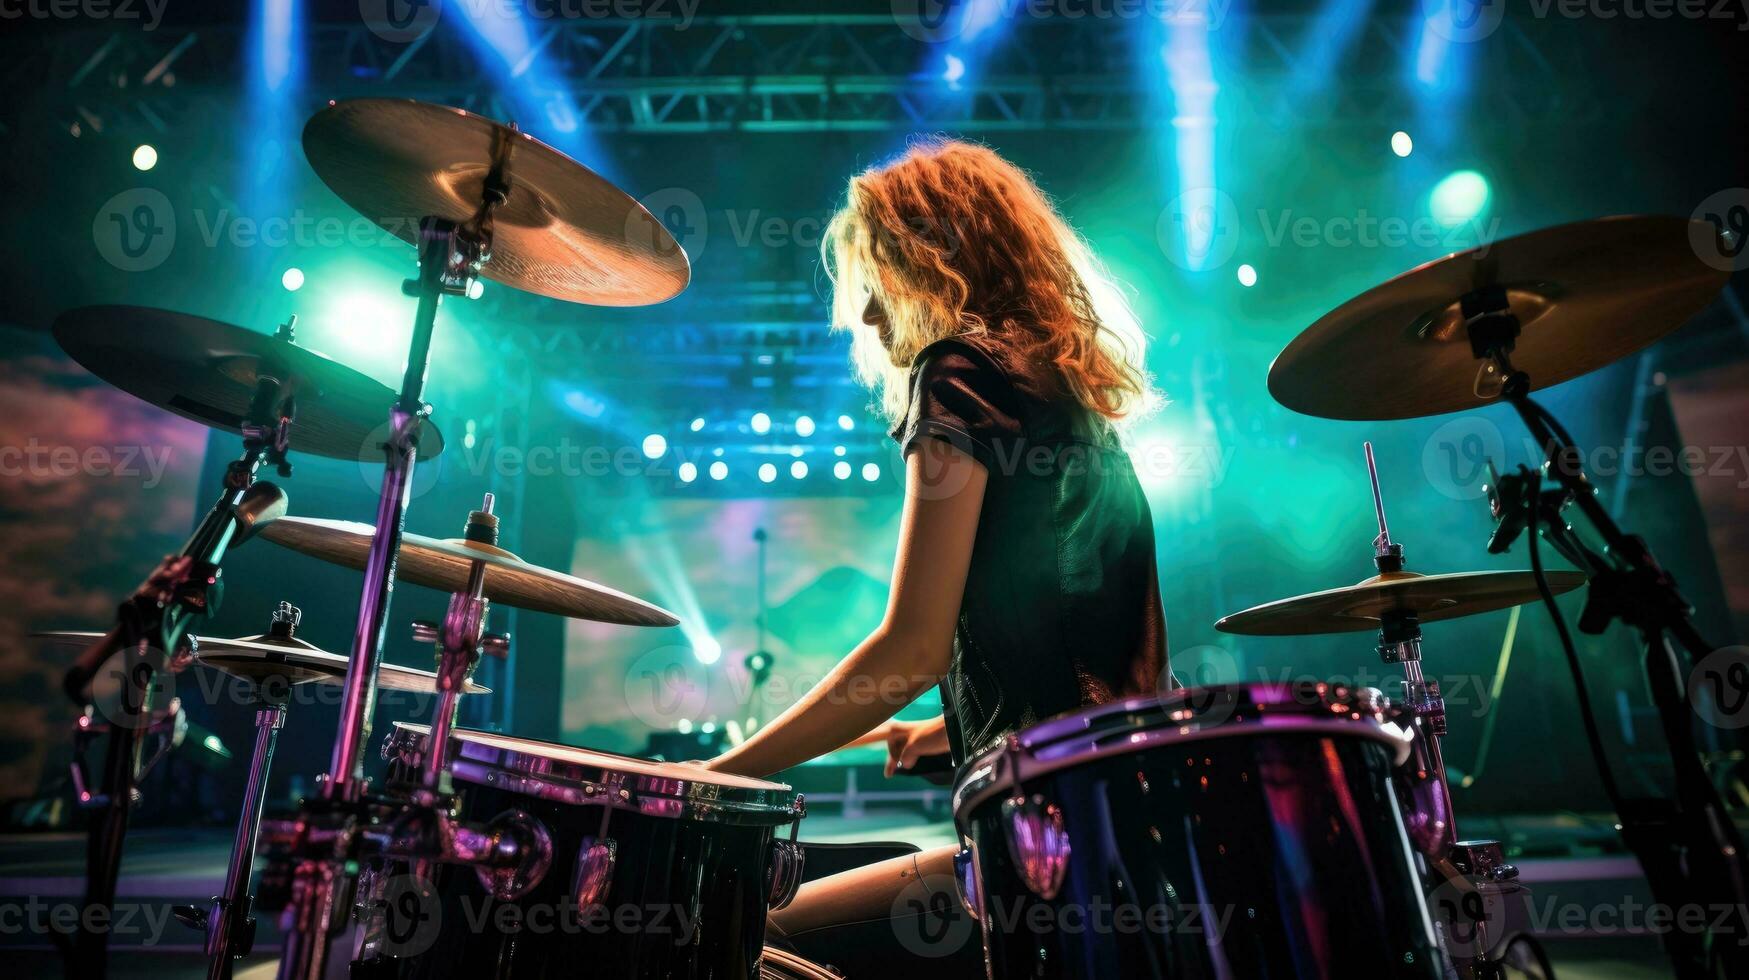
[908, 741]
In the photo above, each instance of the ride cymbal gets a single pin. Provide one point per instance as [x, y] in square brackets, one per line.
[563, 230]
[1357, 607]
[259, 658]
[205, 371]
[1585, 294]
[444, 565]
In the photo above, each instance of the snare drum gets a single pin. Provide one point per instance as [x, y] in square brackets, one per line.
[1243, 830]
[656, 870]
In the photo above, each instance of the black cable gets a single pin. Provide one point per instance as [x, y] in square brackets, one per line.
[1586, 715]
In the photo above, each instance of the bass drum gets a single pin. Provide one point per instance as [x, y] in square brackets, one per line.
[656, 870]
[1243, 830]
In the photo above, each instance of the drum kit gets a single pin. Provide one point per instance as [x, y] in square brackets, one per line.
[1299, 829]
[1307, 829]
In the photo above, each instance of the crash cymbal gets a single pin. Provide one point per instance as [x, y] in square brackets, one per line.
[1586, 295]
[258, 658]
[563, 231]
[444, 565]
[1357, 607]
[205, 371]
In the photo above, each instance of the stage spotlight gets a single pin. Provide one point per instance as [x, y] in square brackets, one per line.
[145, 156]
[837, 450]
[708, 651]
[476, 289]
[1401, 144]
[719, 470]
[804, 426]
[761, 423]
[698, 424]
[1247, 275]
[684, 726]
[841, 470]
[871, 472]
[292, 279]
[796, 451]
[688, 472]
[767, 472]
[655, 445]
[954, 70]
[798, 469]
[1461, 197]
[845, 423]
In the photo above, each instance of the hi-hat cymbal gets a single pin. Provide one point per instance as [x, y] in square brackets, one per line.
[564, 231]
[292, 661]
[205, 371]
[1585, 294]
[1357, 607]
[444, 565]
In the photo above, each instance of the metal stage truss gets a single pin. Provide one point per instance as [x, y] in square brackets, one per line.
[781, 73]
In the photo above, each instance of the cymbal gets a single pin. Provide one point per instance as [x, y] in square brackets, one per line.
[259, 658]
[564, 231]
[1357, 607]
[205, 371]
[444, 565]
[1586, 294]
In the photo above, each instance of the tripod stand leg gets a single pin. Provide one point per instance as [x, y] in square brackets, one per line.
[109, 825]
[1714, 851]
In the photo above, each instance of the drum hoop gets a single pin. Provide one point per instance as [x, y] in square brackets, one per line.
[1005, 768]
[578, 784]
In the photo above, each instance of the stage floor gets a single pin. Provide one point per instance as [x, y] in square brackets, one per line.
[42, 872]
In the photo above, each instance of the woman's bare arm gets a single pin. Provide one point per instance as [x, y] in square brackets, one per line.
[910, 651]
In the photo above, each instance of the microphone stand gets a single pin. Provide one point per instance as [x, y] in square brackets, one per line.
[146, 627]
[1688, 846]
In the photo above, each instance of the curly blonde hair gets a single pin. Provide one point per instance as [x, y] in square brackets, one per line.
[953, 240]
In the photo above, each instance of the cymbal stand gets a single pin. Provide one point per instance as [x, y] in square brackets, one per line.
[461, 639]
[242, 508]
[1689, 847]
[1466, 866]
[330, 827]
[228, 924]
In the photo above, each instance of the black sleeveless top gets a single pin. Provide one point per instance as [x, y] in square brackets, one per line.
[1062, 601]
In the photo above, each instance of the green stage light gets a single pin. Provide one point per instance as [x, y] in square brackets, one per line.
[145, 157]
[292, 279]
[841, 470]
[1460, 198]
[1401, 144]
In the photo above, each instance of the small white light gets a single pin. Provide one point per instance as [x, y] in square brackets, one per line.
[688, 472]
[292, 279]
[761, 423]
[845, 423]
[719, 470]
[804, 426]
[655, 445]
[767, 472]
[476, 289]
[1247, 275]
[837, 450]
[1401, 144]
[145, 156]
[698, 424]
[841, 470]
[871, 471]
[798, 469]
[684, 726]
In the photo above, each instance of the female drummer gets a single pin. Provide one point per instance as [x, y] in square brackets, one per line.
[1024, 583]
